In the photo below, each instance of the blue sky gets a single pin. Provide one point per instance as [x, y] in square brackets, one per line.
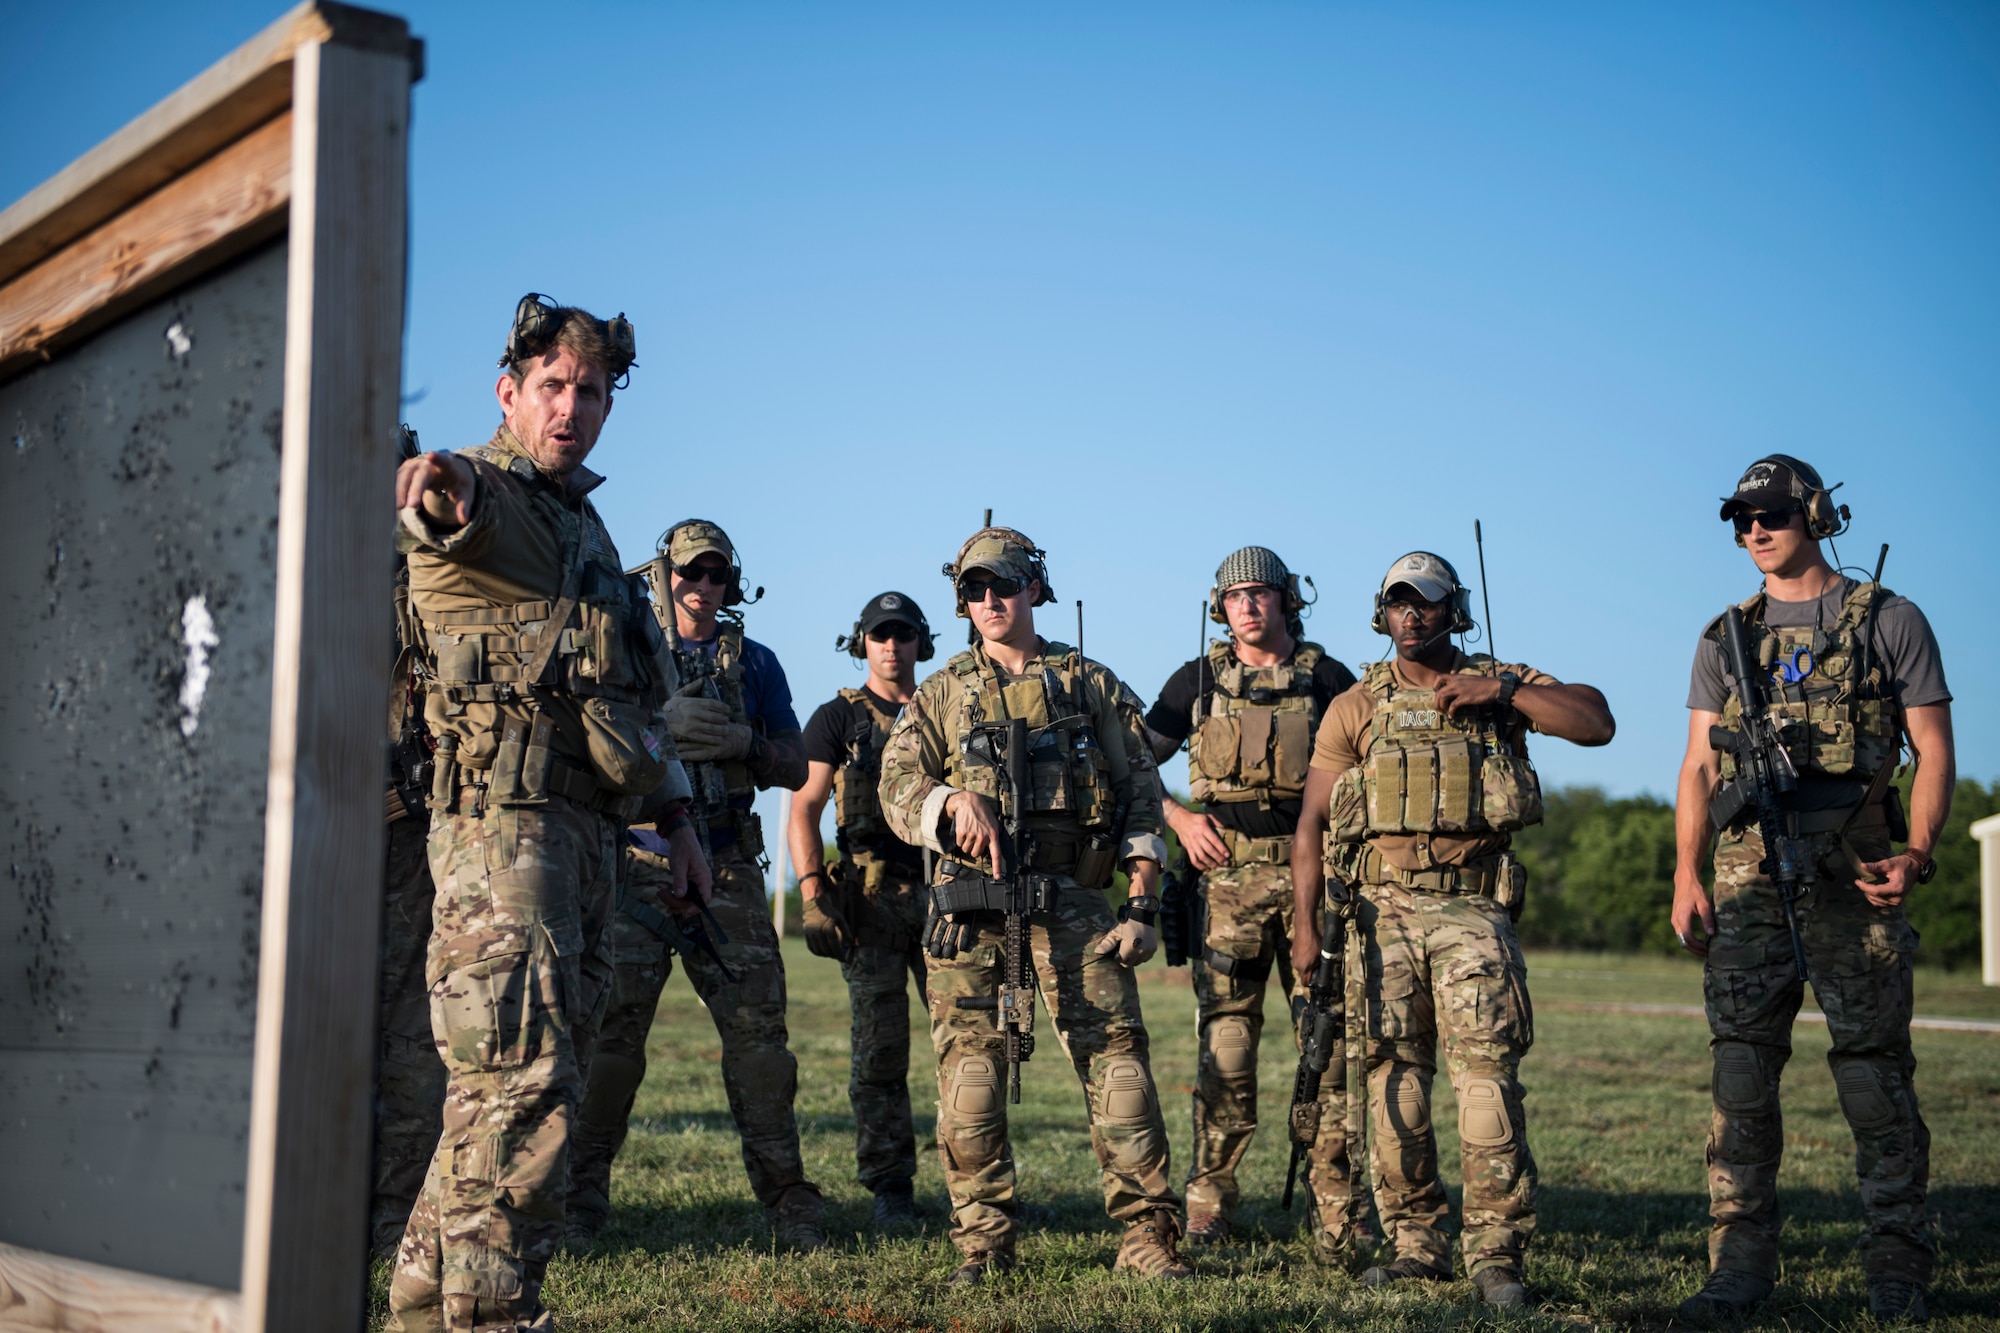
[1158, 281]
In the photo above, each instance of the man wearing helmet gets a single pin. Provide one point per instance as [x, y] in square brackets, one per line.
[1855, 670]
[732, 719]
[867, 910]
[1420, 773]
[1093, 806]
[1247, 710]
[544, 687]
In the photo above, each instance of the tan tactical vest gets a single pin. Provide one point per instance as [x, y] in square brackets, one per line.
[1836, 722]
[1256, 741]
[1070, 775]
[716, 785]
[1426, 771]
[604, 655]
[856, 802]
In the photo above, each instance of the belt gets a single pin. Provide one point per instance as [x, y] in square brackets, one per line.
[572, 784]
[1475, 879]
[1841, 819]
[1247, 851]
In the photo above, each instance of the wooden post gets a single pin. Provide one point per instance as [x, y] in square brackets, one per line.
[1987, 831]
[784, 859]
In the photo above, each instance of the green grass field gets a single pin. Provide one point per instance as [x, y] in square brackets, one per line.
[1618, 1106]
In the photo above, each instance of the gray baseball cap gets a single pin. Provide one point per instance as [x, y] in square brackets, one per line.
[1431, 576]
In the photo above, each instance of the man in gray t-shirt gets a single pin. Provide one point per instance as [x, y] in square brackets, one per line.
[1854, 673]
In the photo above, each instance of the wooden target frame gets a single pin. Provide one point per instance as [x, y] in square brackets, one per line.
[291, 152]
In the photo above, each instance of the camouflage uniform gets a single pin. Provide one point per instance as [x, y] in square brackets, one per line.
[530, 800]
[759, 1072]
[1838, 725]
[1248, 911]
[1093, 1000]
[409, 1076]
[1420, 824]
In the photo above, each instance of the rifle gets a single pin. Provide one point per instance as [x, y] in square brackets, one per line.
[686, 936]
[1319, 1033]
[1016, 894]
[1764, 772]
[1178, 910]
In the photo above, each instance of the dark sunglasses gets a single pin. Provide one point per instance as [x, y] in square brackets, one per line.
[1775, 520]
[719, 576]
[894, 629]
[974, 590]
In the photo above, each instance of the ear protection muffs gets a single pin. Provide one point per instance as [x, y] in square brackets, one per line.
[537, 321]
[926, 646]
[1295, 602]
[733, 594]
[1460, 601]
[1824, 518]
[1037, 563]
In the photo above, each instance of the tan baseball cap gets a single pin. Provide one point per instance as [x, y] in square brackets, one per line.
[697, 537]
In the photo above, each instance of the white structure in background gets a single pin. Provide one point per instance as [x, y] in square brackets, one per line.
[785, 862]
[1987, 831]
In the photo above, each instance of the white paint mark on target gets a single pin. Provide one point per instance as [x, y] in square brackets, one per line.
[198, 636]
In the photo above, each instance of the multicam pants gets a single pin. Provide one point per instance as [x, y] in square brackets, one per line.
[1447, 969]
[409, 1076]
[1859, 958]
[888, 920]
[1249, 931]
[759, 1073]
[1092, 1002]
[519, 972]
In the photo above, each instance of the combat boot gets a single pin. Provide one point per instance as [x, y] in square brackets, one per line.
[1897, 1300]
[1403, 1270]
[895, 1207]
[1500, 1286]
[1729, 1293]
[578, 1239]
[795, 1221]
[1205, 1229]
[1148, 1247]
[978, 1265]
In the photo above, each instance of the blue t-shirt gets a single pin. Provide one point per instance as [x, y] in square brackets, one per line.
[767, 695]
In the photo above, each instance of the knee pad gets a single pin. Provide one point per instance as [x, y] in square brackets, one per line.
[1230, 1048]
[1483, 1117]
[762, 1079]
[1406, 1100]
[1739, 1078]
[1864, 1099]
[1127, 1091]
[975, 1087]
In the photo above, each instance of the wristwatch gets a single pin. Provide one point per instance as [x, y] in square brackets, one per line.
[1509, 682]
[1145, 909]
[1926, 864]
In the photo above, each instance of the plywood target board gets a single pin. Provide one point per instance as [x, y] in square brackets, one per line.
[200, 351]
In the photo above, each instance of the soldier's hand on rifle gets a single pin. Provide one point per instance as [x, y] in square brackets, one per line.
[701, 725]
[442, 483]
[694, 882]
[1305, 948]
[1200, 835]
[974, 828]
[1134, 940]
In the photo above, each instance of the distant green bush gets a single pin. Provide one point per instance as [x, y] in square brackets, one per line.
[1601, 876]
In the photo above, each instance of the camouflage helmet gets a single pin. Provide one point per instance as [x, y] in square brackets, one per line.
[1255, 564]
[1432, 578]
[1007, 552]
[691, 538]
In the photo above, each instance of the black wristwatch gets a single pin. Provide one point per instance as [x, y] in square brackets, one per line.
[1145, 909]
[1509, 682]
[1927, 869]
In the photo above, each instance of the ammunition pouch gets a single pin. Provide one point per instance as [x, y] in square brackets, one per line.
[1097, 862]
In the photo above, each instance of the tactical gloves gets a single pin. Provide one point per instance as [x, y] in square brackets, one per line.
[1134, 937]
[944, 937]
[702, 730]
[827, 933]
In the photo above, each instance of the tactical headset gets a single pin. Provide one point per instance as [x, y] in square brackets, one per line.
[926, 648]
[731, 595]
[1460, 599]
[538, 321]
[1824, 518]
[1037, 562]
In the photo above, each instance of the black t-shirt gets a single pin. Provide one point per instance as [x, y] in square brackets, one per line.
[833, 724]
[1172, 716]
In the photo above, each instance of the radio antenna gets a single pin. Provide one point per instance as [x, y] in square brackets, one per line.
[1485, 600]
[989, 519]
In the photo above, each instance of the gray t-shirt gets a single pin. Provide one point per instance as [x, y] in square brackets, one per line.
[1902, 639]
